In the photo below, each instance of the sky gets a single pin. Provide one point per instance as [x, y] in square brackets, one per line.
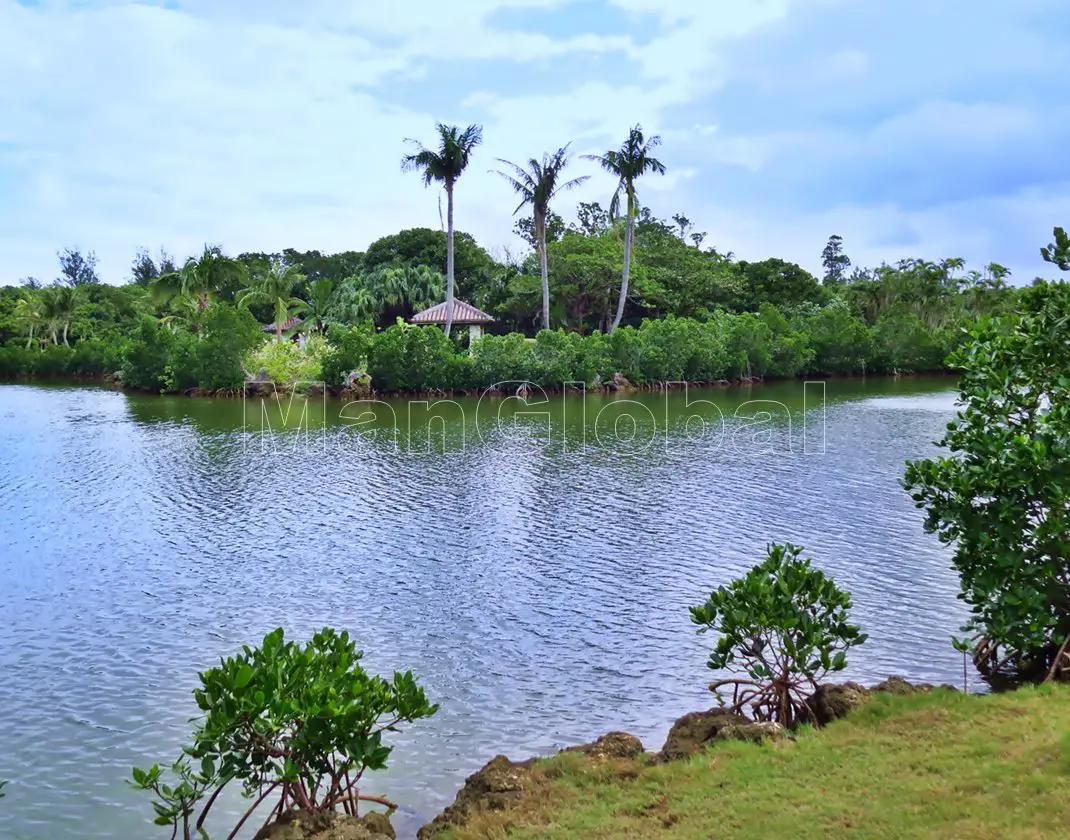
[919, 128]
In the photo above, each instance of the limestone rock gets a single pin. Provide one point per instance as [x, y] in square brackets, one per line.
[328, 825]
[691, 733]
[611, 745]
[835, 701]
[499, 784]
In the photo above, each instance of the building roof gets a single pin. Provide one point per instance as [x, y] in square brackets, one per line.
[463, 313]
[287, 324]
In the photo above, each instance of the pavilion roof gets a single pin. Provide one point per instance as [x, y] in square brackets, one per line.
[463, 313]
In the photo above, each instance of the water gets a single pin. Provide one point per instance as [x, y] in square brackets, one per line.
[536, 577]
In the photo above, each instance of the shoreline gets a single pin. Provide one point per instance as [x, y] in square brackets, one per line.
[522, 389]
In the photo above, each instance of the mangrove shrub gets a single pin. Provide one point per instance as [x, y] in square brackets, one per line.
[785, 624]
[296, 726]
[1002, 495]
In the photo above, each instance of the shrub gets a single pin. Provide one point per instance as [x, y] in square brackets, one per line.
[286, 363]
[346, 351]
[410, 358]
[229, 333]
[1001, 496]
[296, 725]
[785, 622]
[147, 355]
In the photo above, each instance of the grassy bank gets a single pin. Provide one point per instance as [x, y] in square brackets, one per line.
[942, 765]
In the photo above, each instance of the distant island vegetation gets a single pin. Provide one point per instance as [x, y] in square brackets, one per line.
[616, 296]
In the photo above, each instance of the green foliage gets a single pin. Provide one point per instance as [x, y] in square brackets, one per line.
[287, 363]
[1002, 495]
[410, 358]
[347, 351]
[297, 726]
[841, 343]
[785, 624]
[903, 344]
[1058, 253]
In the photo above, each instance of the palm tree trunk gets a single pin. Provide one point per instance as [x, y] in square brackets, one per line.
[449, 257]
[29, 340]
[545, 277]
[627, 268]
[65, 325]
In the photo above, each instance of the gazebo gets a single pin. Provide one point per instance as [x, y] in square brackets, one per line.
[464, 314]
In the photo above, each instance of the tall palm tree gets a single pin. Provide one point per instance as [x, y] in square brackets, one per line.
[445, 165]
[203, 277]
[29, 314]
[275, 286]
[57, 309]
[537, 185]
[628, 163]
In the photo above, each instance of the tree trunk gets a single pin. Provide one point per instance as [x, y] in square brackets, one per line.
[29, 341]
[278, 331]
[449, 257]
[540, 233]
[627, 268]
[202, 301]
[65, 325]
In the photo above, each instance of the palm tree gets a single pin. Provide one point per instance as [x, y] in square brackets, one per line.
[57, 308]
[29, 314]
[536, 186]
[319, 308]
[185, 312]
[413, 287]
[275, 286]
[445, 165]
[203, 277]
[628, 163]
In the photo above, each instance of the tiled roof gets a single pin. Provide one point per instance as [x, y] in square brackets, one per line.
[463, 313]
[289, 322]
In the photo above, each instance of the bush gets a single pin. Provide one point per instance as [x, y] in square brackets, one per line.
[286, 363]
[147, 355]
[1001, 496]
[786, 623]
[347, 351]
[410, 358]
[296, 725]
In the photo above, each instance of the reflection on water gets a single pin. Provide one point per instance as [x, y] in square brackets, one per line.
[534, 571]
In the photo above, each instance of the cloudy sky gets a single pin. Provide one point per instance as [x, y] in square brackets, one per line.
[924, 128]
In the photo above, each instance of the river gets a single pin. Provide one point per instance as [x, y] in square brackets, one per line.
[532, 564]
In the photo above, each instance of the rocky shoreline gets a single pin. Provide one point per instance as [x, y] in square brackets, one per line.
[503, 785]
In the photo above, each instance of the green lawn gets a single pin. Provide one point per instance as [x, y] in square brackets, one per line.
[940, 765]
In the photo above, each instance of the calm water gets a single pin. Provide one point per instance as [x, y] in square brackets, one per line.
[535, 574]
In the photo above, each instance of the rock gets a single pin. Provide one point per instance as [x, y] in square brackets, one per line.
[757, 733]
[691, 733]
[328, 825]
[358, 384]
[620, 383]
[500, 784]
[611, 745]
[832, 702]
[899, 685]
[315, 389]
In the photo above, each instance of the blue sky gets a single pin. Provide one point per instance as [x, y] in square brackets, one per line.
[926, 128]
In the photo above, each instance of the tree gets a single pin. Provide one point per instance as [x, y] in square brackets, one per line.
[628, 163]
[57, 309]
[320, 303]
[1058, 253]
[591, 218]
[29, 315]
[77, 269]
[446, 165]
[537, 185]
[296, 726]
[1001, 497]
[835, 261]
[525, 229]
[786, 622]
[204, 277]
[275, 286]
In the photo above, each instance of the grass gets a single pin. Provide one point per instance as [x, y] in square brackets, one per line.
[940, 765]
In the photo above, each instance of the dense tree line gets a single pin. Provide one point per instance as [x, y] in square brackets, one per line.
[674, 296]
